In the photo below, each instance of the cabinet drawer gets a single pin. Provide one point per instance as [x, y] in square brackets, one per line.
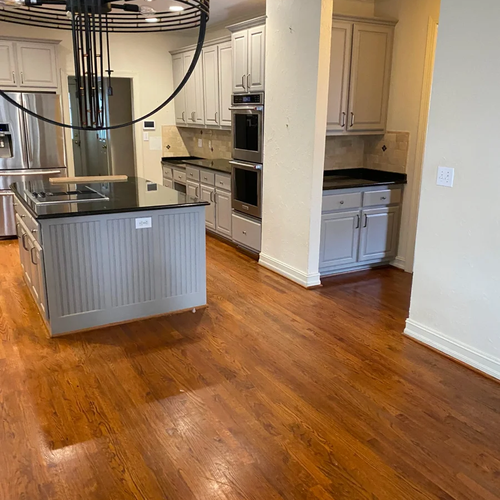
[192, 174]
[207, 177]
[223, 181]
[27, 219]
[341, 201]
[247, 232]
[167, 173]
[169, 183]
[382, 197]
[179, 175]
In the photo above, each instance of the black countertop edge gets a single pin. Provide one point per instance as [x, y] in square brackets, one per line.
[217, 165]
[92, 210]
[360, 177]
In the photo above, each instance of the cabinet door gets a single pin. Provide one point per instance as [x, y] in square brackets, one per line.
[379, 234]
[38, 282]
[37, 65]
[339, 239]
[207, 194]
[190, 89]
[256, 59]
[225, 82]
[169, 183]
[211, 85]
[240, 60]
[8, 77]
[340, 69]
[370, 77]
[223, 212]
[199, 107]
[180, 100]
[193, 189]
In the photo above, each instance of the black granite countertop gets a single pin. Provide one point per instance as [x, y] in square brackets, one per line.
[218, 165]
[360, 177]
[134, 195]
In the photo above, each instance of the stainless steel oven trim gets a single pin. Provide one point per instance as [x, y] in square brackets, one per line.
[239, 206]
[243, 154]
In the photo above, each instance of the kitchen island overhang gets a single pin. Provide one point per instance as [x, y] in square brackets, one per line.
[136, 254]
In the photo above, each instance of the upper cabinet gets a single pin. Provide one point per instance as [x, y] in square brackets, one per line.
[28, 65]
[206, 97]
[360, 71]
[249, 52]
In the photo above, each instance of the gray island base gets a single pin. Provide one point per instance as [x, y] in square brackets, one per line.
[97, 269]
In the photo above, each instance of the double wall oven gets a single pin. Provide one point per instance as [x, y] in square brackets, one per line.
[248, 141]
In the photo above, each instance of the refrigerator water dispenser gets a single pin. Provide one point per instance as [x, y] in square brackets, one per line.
[5, 141]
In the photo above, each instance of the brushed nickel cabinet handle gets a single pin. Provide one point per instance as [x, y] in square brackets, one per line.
[193, 116]
[216, 117]
[343, 119]
[243, 82]
[366, 221]
[359, 221]
[249, 80]
[13, 78]
[22, 78]
[352, 119]
[23, 241]
[31, 256]
[184, 116]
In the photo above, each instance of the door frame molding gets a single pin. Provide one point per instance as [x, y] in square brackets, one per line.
[430, 56]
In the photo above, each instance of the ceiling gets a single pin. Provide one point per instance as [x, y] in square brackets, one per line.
[225, 10]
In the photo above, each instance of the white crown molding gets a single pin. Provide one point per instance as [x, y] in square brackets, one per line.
[457, 350]
[372, 20]
[251, 23]
[33, 40]
[290, 272]
[209, 43]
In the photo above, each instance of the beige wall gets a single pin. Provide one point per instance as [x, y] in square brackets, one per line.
[455, 305]
[297, 64]
[405, 101]
[364, 8]
[146, 59]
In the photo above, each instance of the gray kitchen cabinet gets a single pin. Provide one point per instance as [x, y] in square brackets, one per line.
[249, 50]
[168, 183]
[359, 228]
[223, 212]
[8, 69]
[193, 189]
[360, 71]
[208, 194]
[339, 238]
[379, 233]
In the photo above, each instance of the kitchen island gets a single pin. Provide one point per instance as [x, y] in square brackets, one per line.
[101, 254]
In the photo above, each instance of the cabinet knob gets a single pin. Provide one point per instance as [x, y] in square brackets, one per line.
[383, 198]
[221, 183]
[342, 202]
[244, 232]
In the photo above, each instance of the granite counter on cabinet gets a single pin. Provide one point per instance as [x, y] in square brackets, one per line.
[136, 254]
[217, 165]
[360, 177]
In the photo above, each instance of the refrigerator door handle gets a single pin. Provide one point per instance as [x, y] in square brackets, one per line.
[26, 137]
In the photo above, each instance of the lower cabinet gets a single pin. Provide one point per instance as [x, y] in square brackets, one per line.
[247, 232]
[358, 237]
[223, 212]
[207, 194]
[168, 183]
[379, 234]
[339, 239]
[193, 189]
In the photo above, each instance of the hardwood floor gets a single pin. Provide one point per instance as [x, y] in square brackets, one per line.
[273, 392]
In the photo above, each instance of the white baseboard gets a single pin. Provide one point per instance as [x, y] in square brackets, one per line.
[290, 272]
[399, 262]
[464, 353]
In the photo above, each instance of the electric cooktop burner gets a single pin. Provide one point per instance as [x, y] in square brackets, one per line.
[83, 195]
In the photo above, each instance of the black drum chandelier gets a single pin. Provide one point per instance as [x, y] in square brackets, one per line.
[90, 23]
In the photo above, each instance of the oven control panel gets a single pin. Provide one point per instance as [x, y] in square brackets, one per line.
[245, 99]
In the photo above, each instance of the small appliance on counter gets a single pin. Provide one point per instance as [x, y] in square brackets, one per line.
[30, 149]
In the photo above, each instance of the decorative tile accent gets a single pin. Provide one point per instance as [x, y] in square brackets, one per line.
[184, 142]
[387, 152]
[344, 152]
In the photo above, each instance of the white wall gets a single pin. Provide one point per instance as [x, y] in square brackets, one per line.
[145, 58]
[455, 303]
[405, 100]
[297, 74]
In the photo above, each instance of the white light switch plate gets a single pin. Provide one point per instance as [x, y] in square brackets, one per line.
[200, 143]
[143, 222]
[145, 136]
[445, 176]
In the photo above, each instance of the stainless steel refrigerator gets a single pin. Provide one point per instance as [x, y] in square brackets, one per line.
[30, 149]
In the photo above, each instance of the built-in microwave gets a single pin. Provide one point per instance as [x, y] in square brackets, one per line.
[247, 188]
[248, 127]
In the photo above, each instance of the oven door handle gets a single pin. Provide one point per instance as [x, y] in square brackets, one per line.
[246, 165]
[246, 108]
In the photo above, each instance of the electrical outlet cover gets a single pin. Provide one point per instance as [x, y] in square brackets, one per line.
[200, 143]
[445, 176]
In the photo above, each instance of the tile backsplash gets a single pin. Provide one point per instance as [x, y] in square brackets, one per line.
[388, 152]
[184, 142]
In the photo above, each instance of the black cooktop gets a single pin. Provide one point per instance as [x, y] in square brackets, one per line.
[53, 196]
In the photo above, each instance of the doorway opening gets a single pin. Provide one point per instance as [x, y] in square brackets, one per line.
[105, 152]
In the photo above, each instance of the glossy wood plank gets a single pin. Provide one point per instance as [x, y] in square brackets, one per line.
[273, 392]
